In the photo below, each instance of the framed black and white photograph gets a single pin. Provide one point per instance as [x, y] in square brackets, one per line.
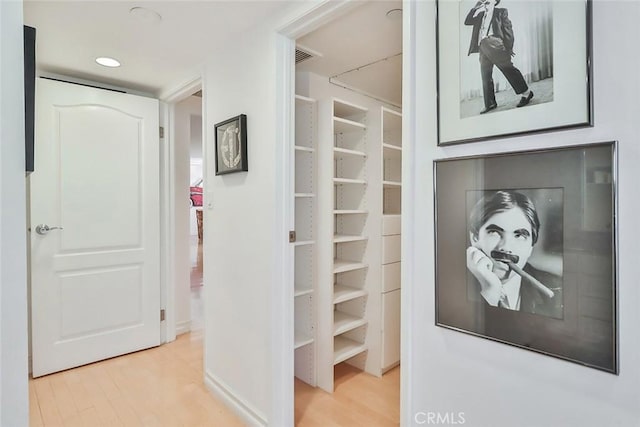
[231, 145]
[525, 250]
[507, 67]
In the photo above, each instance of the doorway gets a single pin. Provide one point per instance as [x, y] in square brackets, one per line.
[188, 193]
[348, 330]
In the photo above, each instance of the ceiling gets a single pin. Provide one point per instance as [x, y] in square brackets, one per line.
[361, 49]
[155, 55]
[158, 55]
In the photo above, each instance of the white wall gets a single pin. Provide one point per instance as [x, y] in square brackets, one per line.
[495, 384]
[184, 110]
[14, 408]
[239, 238]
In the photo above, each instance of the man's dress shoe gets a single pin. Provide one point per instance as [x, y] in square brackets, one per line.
[489, 108]
[525, 100]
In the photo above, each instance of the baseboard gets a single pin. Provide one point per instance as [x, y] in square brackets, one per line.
[390, 367]
[183, 327]
[248, 414]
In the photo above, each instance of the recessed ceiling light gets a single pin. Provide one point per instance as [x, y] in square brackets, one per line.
[105, 61]
[145, 14]
[394, 14]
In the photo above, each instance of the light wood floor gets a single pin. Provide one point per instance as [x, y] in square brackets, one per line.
[163, 387]
[358, 399]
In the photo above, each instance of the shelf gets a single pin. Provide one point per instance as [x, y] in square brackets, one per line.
[304, 243]
[346, 126]
[339, 152]
[341, 266]
[391, 184]
[392, 120]
[342, 293]
[347, 109]
[349, 211]
[303, 195]
[344, 238]
[305, 100]
[305, 149]
[342, 181]
[301, 340]
[301, 292]
[391, 152]
[391, 224]
[391, 147]
[344, 348]
[343, 322]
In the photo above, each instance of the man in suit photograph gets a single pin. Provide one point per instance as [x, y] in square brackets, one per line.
[504, 227]
[493, 39]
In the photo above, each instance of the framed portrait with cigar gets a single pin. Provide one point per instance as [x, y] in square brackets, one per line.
[525, 250]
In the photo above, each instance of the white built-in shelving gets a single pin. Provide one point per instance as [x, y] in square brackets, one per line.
[391, 130]
[305, 244]
[347, 302]
[347, 274]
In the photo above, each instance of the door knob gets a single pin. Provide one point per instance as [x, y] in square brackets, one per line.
[44, 229]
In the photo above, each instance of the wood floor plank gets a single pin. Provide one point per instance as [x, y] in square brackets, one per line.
[90, 418]
[63, 397]
[107, 385]
[125, 411]
[35, 417]
[46, 399]
[359, 399]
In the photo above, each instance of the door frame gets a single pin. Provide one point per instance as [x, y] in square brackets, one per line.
[282, 327]
[168, 206]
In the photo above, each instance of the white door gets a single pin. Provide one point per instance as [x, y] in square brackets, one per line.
[95, 280]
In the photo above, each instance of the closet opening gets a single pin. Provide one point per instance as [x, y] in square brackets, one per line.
[347, 207]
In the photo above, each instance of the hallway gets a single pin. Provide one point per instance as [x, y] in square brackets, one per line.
[163, 386]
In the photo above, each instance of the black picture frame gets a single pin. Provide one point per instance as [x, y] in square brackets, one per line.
[231, 145]
[572, 251]
[562, 84]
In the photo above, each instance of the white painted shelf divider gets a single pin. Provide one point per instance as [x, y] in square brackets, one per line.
[300, 292]
[341, 181]
[340, 152]
[305, 149]
[301, 340]
[345, 238]
[343, 293]
[342, 266]
[345, 348]
[350, 211]
[343, 322]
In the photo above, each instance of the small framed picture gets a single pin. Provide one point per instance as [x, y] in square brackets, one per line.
[231, 145]
[509, 67]
[526, 251]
